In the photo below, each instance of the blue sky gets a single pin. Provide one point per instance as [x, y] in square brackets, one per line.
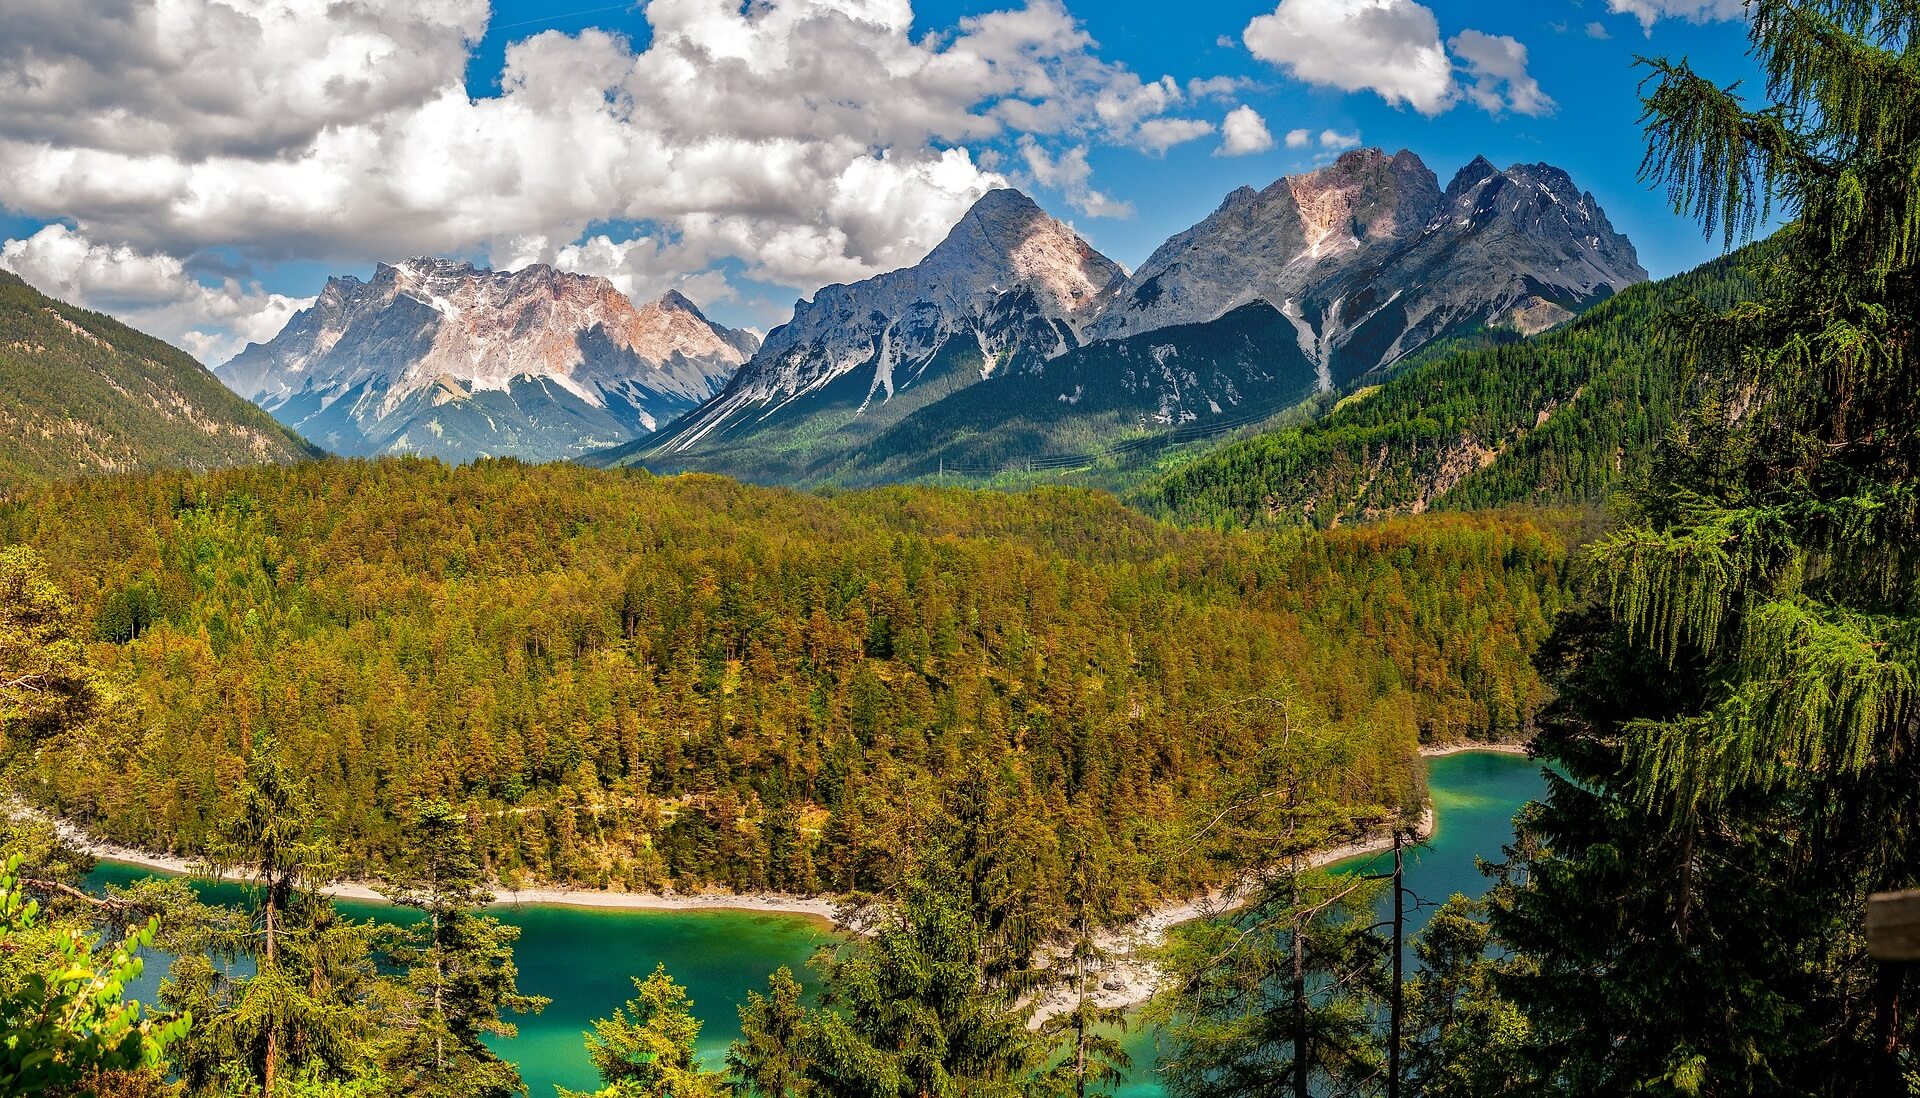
[1593, 132]
[232, 215]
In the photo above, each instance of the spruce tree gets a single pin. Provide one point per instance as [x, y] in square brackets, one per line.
[770, 1059]
[1738, 716]
[910, 1012]
[302, 1008]
[1092, 1059]
[460, 979]
[646, 1049]
[1280, 996]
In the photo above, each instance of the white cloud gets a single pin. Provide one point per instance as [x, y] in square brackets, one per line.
[1393, 49]
[1069, 173]
[154, 293]
[1160, 134]
[1299, 139]
[1244, 132]
[1496, 74]
[1598, 30]
[810, 140]
[192, 78]
[1333, 139]
[1693, 11]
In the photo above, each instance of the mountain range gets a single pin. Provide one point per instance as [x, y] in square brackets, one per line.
[1005, 342]
[443, 359]
[81, 392]
[1013, 343]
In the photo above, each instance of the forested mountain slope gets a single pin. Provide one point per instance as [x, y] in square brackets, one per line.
[1556, 419]
[81, 392]
[690, 681]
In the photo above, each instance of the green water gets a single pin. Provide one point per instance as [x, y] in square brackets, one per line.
[584, 958]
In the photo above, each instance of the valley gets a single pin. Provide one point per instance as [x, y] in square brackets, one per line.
[1212, 588]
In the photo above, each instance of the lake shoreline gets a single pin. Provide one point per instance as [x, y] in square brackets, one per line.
[812, 908]
[1466, 747]
[1137, 978]
[1132, 977]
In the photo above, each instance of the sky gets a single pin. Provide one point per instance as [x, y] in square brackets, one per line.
[199, 168]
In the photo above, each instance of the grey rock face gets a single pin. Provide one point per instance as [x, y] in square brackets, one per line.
[1008, 282]
[437, 357]
[1371, 260]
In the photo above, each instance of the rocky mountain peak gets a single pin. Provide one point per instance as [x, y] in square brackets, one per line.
[1008, 289]
[357, 368]
[1364, 195]
[1476, 171]
[1370, 259]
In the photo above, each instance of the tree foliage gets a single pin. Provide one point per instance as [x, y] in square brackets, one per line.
[65, 1024]
[1738, 718]
[621, 680]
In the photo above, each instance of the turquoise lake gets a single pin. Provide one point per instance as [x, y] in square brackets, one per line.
[584, 958]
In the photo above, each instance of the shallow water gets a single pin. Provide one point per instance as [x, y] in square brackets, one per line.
[585, 958]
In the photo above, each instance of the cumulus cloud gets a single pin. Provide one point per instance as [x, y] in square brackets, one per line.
[1160, 134]
[1390, 47]
[1598, 30]
[1244, 132]
[1070, 174]
[1335, 140]
[1496, 74]
[154, 293]
[810, 140]
[1393, 49]
[1299, 139]
[1650, 12]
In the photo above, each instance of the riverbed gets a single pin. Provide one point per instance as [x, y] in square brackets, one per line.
[584, 958]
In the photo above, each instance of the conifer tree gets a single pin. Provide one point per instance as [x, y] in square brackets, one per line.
[1739, 716]
[460, 979]
[1092, 1059]
[770, 1059]
[301, 1007]
[1280, 995]
[910, 1013]
[646, 1049]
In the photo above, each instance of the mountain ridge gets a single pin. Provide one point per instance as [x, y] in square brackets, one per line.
[443, 358]
[81, 393]
[1360, 263]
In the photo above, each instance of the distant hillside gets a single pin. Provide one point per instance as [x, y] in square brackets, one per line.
[1556, 419]
[83, 393]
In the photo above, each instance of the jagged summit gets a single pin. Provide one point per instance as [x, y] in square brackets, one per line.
[1370, 259]
[442, 357]
[1007, 289]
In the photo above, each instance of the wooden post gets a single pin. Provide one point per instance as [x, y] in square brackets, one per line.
[1893, 939]
[1893, 926]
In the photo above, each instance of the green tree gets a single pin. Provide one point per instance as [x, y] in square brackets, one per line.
[1280, 995]
[303, 1005]
[1464, 1038]
[459, 977]
[770, 1058]
[646, 1049]
[908, 1011]
[1092, 1058]
[1737, 719]
[65, 1024]
[45, 684]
